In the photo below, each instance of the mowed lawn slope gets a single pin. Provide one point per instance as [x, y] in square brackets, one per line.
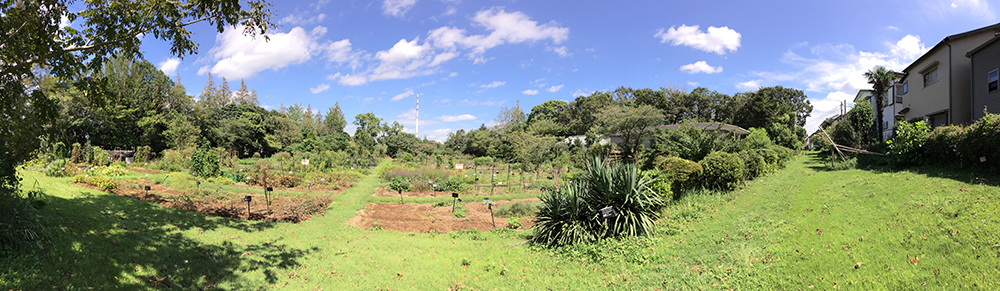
[800, 227]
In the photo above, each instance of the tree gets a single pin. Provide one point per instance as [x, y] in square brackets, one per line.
[35, 44]
[880, 78]
[334, 120]
[510, 119]
[367, 133]
[631, 124]
[782, 111]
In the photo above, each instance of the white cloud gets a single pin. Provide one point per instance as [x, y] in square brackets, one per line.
[397, 7]
[299, 20]
[751, 85]
[400, 96]
[718, 39]
[700, 67]
[413, 58]
[494, 84]
[513, 27]
[448, 118]
[169, 67]
[893, 28]
[529, 92]
[238, 56]
[562, 51]
[693, 84]
[837, 72]
[319, 88]
[554, 88]
[579, 92]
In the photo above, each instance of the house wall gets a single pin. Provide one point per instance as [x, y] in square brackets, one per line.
[961, 69]
[983, 62]
[924, 101]
[950, 98]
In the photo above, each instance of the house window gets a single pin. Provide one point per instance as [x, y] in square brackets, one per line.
[992, 81]
[931, 77]
[904, 87]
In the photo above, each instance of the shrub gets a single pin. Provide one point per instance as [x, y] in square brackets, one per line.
[482, 161]
[205, 163]
[982, 139]
[419, 185]
[661, 183]
[58, 168]
[688, 142]
[571, 215]
[174, 160]
[678, 169]
[516, 209]
[100, 157]
[513, 223]
[105, 183]
[112, 170]
[943, 145]
[143, 154]
[723, 171]
[754, 164]
[907, 144]
[220, 180]
[76, 154]
[399, 183]
[21, 224]
[449, 184]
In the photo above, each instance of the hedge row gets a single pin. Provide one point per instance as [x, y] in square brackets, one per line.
[976, 145]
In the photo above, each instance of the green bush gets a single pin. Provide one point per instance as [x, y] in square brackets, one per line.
[982, 139]
[513, 223]
[205, 163]
[678, 169]
[943, 145]
[100, 157]
[661, 183]
[143, 154]
[754, 164]
[482, 161]
[399, 183]
[21, 224]
[722, 171]
[449, 184]
[112, 170]
[572, 215]
[58, 168]
[220, 180]
[906, 146]
[516, 209]
[105, 183]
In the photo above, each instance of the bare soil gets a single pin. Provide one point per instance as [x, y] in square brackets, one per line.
[482, 192]
[412, 217]
[282, 207]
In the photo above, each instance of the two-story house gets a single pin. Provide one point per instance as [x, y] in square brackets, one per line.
[985, 83]
[936, 87]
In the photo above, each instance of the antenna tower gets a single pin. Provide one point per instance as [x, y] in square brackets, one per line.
[418, 114]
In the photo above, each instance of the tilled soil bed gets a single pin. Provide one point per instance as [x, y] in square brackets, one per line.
[484, 191]
[283, 208]
[414, 217]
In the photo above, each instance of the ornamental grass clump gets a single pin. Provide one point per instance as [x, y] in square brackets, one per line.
[572, 215]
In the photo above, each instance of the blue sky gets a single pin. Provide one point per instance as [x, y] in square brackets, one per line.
[467, 59]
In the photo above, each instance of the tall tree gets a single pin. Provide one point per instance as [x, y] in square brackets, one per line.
[631, 124]
[880, 78]
[510, 119]
[334, 120]
[367, 133]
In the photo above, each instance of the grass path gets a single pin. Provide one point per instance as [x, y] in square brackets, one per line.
[799, 227]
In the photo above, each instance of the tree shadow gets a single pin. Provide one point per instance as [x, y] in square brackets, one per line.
[971, 175]
[107, 241]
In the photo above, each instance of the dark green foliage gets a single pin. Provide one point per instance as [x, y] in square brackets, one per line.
[982, 139]
[571, 215]
[516, 209]
[688, 143]
[143, 154]
[449, 184]
[754, 164]
[482, 161]
[205, 162]
[679, 170]
[661, 183]
[20, 223]
[943, 145]
[722, 171]
[399, 183]
[855, 129]
[906, 147]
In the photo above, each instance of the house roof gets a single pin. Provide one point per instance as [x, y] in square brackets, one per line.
[708, 126]
[982, 46]
[948, 39]
[863, 94]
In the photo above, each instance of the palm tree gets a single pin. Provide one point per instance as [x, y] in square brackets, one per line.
[880, 78]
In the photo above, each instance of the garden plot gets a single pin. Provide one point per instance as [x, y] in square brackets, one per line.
[418, 217]
[484, 191]
[283, 207]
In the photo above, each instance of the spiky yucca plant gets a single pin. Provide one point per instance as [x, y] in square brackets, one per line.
[572, 215]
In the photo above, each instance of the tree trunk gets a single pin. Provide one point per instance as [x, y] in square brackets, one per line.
[879, 117]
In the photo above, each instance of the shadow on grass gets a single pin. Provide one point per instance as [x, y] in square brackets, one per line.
[973, 175]
[106, 241]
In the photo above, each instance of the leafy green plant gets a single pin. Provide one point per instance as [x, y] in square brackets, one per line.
[571, 215]
[513, 223]
[906, 146]
[516, 209]
[105, 183]
[722, 171]
[399, 183]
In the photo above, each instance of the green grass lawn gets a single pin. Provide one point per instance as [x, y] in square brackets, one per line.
[802, 227]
